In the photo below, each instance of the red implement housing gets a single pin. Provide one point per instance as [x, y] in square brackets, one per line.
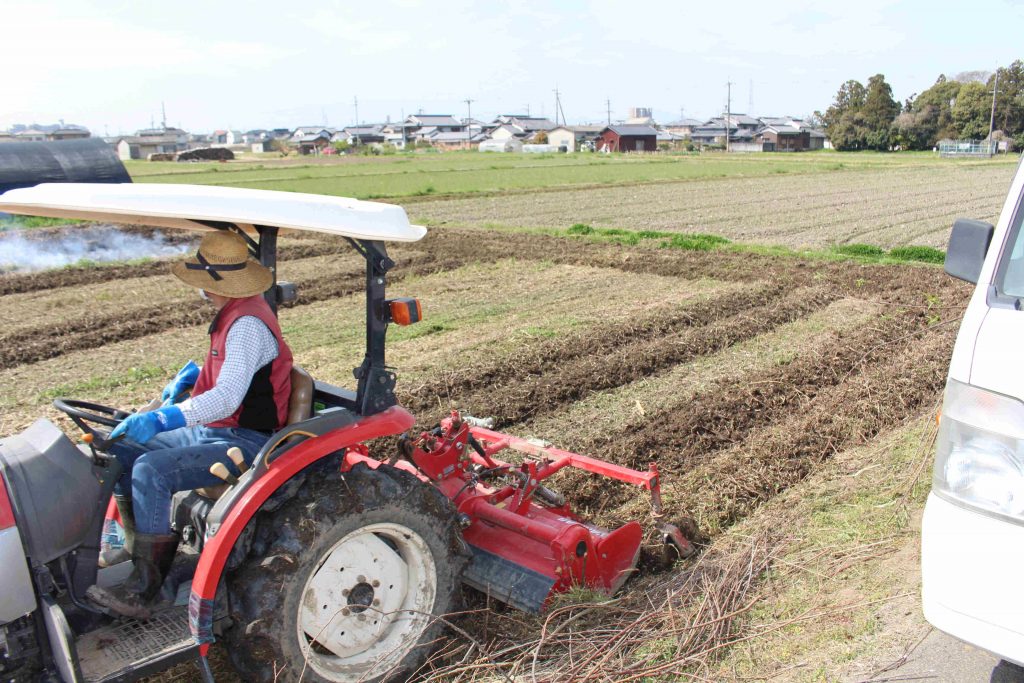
[527, 544]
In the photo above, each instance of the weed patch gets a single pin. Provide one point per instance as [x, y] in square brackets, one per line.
[861, 250]
[695, 241]
[918, 253]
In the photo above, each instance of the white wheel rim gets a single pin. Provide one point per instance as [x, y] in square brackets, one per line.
[367, 602]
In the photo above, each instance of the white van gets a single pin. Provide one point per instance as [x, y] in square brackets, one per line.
[972, 539]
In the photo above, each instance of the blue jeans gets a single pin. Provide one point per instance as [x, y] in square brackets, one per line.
[178, 460]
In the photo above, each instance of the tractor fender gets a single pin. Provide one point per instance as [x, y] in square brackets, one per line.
[218, 547]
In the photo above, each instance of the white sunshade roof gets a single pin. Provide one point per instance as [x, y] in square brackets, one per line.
[180, 206]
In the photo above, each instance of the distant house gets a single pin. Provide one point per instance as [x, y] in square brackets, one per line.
[226, 138]
[506, 131]
[151, 141]
[453, 139]
[306, 131]
[419, 126]
[684, 127]
[782, 138]
[314, 143]
[529, 124]
[362, 135]
[627, 138]
[571, 137]
[789, 134]
[32, 135]
[70, 133]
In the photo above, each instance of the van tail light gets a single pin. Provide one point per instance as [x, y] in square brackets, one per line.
[6, 511]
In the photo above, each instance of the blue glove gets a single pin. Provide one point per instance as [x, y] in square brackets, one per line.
[141, 427]
[185, 379]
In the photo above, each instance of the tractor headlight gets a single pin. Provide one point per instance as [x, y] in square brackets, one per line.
[979, 456]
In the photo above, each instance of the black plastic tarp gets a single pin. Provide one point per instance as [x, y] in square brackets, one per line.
[24, 164]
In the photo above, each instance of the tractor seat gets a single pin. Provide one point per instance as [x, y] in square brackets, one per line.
[300, 407]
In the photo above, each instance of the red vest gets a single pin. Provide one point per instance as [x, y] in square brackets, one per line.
[265, 406]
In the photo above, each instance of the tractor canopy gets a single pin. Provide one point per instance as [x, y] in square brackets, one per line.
[196, 207]
[257, 215]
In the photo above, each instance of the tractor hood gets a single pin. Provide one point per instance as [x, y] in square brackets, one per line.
[189, 206]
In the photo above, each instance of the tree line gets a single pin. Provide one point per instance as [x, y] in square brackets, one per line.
[867, 117]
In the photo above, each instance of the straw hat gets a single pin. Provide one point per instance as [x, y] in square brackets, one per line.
[223, 266]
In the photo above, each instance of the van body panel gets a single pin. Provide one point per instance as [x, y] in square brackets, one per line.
[998, 358]
[970, 560]
[970, 576]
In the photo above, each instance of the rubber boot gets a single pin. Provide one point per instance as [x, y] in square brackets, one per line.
[111, 556]
[152, 556]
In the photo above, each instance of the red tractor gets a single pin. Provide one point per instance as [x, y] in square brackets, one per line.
[321, 562]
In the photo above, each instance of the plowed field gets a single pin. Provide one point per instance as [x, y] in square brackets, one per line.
[739, 373]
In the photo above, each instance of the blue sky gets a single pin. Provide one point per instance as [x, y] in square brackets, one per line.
[109, 65]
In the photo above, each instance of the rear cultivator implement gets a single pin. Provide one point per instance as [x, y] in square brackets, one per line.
[527, 544]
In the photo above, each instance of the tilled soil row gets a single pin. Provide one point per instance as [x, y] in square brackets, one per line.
[890, 283]
[730, 410]
[882, 396]
[533, 395]
[546, 355]
[31, 346]
[76, 277]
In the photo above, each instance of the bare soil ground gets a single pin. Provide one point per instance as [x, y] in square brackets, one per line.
[890, 207]
[744, 375]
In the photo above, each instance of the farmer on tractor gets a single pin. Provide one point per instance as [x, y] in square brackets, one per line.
[238, 398]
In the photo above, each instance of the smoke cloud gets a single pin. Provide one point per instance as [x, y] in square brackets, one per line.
[30, 250]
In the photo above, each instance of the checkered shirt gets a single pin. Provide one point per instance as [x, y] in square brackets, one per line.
[250, 345]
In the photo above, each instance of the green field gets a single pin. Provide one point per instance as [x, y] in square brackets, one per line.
[411, 175]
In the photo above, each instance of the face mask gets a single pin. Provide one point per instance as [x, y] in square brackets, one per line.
[203, 295]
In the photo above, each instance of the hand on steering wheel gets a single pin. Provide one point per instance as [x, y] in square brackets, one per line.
[83, 412]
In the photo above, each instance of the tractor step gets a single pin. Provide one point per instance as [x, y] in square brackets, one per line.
[127, 650]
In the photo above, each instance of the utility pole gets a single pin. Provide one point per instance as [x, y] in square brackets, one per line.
[992, 117]
[355, 102]
[556, 105]
[469, 120]
[728, 113]
[163, 114]
[608, 108]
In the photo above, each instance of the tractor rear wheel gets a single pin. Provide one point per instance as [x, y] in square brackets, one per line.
[347, 581]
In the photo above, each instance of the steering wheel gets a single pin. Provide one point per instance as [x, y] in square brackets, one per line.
[83, 412]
